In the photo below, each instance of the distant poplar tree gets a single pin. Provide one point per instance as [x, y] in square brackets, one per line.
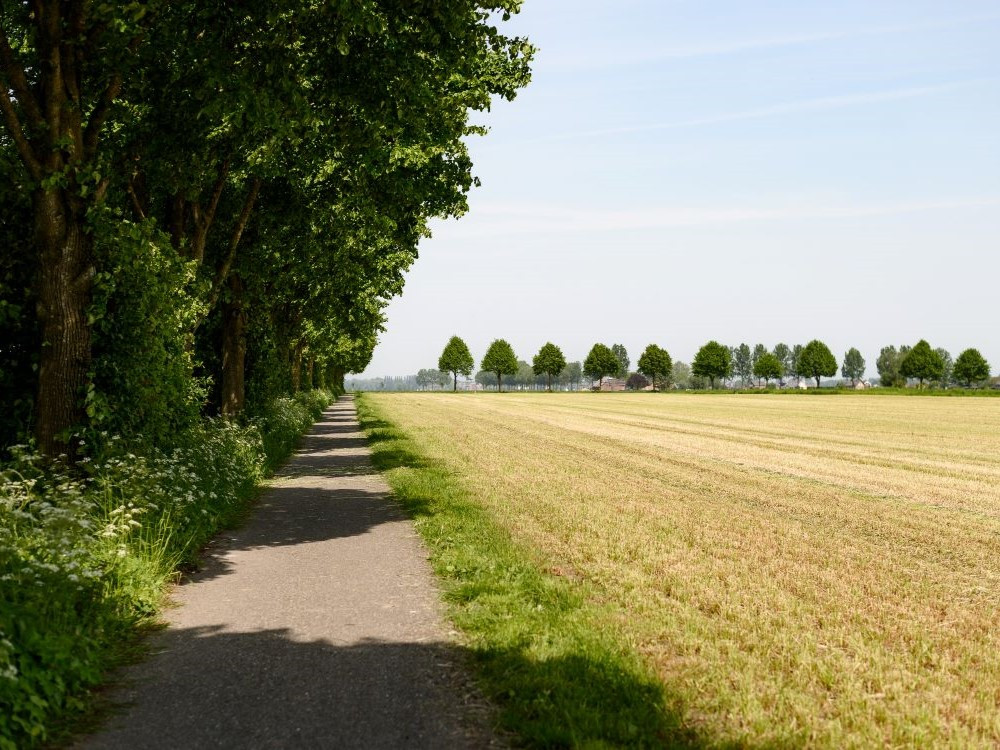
[784, 355]
[623, 362]
[743, 364]
[854, 365]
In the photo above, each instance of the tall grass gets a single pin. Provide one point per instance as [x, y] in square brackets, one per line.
[85, 555]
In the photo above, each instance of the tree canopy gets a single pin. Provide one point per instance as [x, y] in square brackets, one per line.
[242, 186]
[456, 359]
[600, 363]
[922, 363]
[854, 365]
[971, 368]
[816, 361]
[549, 362]
[768, 367]
[712, 361]
[500, 360]
[655, 363]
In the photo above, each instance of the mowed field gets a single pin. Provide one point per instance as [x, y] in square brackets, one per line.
[796, 570]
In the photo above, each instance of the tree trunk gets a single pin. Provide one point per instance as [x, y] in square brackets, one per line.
[234, 349]
[549, 374]
[297, 366]
[65, 282]
[310, 369]
[817, 381]
[455, 385]
[499, 383]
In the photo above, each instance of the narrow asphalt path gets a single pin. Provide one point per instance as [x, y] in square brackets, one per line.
[317, 624]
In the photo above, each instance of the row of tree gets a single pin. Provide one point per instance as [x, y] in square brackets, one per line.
[712, 364]
[205, 204]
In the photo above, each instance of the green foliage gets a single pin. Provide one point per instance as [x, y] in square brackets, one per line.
[816, 361]
[600, 363]
[888, 367]
[854, 365]
[784, 355]
[768, 367]
[85, 555]
[971, 368]
[623, 362]
[549, 362]
[743, 364]
[500, 360]
[142, 385]
[456, 359]
[712, 361]
[922, 363]
[655, 363]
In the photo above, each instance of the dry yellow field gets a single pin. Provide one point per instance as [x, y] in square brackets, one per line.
[797, 570]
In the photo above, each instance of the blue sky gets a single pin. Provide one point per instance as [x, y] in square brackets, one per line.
[680, 171]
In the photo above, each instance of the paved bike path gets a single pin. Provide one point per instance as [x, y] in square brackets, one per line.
[316, 624]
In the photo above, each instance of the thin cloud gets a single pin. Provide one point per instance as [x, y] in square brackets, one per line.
[822, 103]
[493, 220]
[626, 58]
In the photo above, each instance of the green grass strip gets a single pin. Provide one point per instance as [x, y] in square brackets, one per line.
[558, 677]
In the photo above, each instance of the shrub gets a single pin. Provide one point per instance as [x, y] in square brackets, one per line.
[84, 557]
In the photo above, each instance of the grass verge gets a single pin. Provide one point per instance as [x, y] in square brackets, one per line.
[555, 665]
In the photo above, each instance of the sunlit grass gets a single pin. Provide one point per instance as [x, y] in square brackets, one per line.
[795, 571]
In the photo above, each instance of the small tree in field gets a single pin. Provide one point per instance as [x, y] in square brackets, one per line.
[712, 361]
[600, 363]
[456, 359]
[922, 363]
[817, 361]
[971, 367]
[655, 364]
[854, 365]
[636, 382]
[500, 360]
[549, 362]
[768, 367]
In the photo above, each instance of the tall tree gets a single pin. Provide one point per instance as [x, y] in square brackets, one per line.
[743, 364]
[655, 363]
[970, 368]
[922, 363]
[758, 351]
[817, 361]
[712, 361]
[456, 359]
[623, 362]
[500, 360]
[887, 365]
[949, 365]
[854, 365]
[680, 375]
[793, 368]
[62, 65]
[784, 355]
[549, 362]
[600, 363]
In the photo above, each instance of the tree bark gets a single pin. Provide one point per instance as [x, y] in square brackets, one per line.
[297, 366]
[65, 281]
[455, 384]
[234, 349]
[310, 367]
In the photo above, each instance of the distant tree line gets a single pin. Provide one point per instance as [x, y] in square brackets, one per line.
[714, 365]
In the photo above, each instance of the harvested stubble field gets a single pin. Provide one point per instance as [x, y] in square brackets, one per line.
[803, 571]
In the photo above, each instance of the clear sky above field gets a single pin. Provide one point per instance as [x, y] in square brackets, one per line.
[760, 172]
